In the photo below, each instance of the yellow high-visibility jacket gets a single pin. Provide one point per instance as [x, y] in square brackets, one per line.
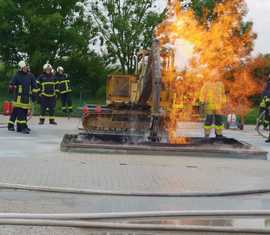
[213, 96]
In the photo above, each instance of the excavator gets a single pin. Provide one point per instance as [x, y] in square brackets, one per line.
[136, 106]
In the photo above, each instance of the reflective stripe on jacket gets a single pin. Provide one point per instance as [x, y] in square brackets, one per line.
[64, 84]
[25, 85]
[47, 85]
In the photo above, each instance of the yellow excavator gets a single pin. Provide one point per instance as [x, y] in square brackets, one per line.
[136, 106]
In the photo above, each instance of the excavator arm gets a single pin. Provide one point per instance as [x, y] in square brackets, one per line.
[152, 88]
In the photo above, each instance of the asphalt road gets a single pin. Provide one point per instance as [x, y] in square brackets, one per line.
[36, 160]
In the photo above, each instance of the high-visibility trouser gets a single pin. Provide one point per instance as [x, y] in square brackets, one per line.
[47, 104]
[18, 116]
[66, 102]
[213, 121]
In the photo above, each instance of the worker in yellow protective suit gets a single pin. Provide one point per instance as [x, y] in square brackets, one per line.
[212, 96]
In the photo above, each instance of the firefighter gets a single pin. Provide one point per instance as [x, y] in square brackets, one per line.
[48, 90]
[212, 96]
[22, 85]
[265, 103]
[264, 106]
[64, 89]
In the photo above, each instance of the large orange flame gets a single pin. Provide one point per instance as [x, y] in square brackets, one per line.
[220, 43]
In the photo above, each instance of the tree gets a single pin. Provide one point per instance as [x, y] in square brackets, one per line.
[206, 13]
[126, 26]
[58, 31]
[42, 30]
[88, 74]
[204, 9]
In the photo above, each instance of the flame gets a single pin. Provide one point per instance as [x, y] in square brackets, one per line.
[218, 44]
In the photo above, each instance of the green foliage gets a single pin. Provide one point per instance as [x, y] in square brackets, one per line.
[57, 31]
[204, 9]
[5, 74]
[87, 73]
[42, 30]
[251, 117]
[126, 26]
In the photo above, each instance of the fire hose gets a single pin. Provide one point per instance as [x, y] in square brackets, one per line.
[133, 226]
[138, 215]
[47, 189]
[82, 220]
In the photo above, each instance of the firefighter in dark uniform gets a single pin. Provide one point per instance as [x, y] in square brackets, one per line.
[264, 106]
[65, 90]
[23, 86]
[265, 100]
[48, 89]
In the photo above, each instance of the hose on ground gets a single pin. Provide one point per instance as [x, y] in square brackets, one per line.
[130, 194]
[139, 215]
[131, 226]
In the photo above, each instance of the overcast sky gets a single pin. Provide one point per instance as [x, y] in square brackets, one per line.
[259, 13]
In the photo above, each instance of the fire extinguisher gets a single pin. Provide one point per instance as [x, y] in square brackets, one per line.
[7, 108]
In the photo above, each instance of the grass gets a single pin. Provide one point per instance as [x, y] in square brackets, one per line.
[251, 117]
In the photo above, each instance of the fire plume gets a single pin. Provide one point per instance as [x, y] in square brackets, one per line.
[222, 42]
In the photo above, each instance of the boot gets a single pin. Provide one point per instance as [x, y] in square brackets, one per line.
[41, 121]
[25, 131]
[206, 136]
[52, 122]
[11, 127]
[207, 133]
[219, 137]
[219, 133]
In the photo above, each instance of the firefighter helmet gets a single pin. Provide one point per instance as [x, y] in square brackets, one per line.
[22, 64]
[47, 66]
[60, 69]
